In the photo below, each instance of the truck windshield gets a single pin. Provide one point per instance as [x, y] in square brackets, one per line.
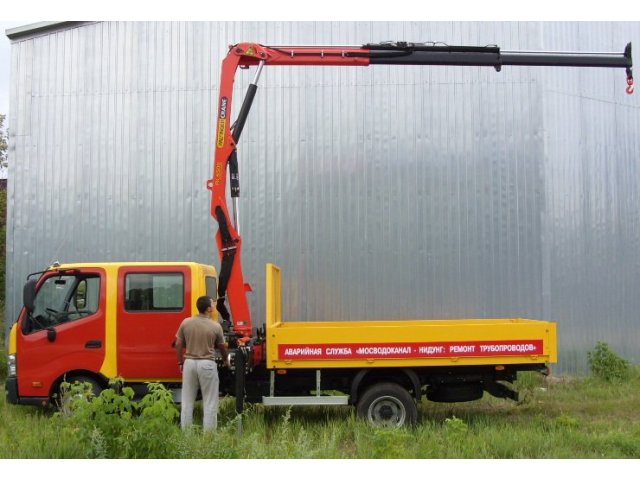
[63, 298]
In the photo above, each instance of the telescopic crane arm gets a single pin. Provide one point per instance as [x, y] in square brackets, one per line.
[232, 288]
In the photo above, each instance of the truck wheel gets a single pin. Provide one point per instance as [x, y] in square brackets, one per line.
[64, 398]
[388, 405]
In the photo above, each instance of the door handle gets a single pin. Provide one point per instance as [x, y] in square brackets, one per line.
[52, 334]
[93, 344]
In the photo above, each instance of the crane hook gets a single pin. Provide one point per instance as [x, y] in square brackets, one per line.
[630, 85]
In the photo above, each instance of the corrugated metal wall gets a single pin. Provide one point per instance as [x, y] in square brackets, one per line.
[592, 185]
[382, 192]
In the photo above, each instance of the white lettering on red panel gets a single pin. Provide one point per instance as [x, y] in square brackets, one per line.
[410, 350]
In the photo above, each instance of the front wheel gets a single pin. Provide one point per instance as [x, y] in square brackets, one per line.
[90, 389]
[388, 405]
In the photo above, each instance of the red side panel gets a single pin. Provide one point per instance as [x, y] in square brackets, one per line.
[145, 338]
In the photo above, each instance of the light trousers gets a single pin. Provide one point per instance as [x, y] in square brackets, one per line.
[202, 374]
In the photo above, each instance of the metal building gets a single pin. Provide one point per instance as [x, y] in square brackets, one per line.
[382, 192]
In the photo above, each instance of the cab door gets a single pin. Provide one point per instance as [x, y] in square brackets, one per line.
[152, 302]
[65, 332]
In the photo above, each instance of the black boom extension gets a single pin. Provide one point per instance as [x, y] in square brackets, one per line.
[404, 53]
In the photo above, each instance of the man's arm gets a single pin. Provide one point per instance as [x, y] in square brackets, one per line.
[179, 351]
[224, 352]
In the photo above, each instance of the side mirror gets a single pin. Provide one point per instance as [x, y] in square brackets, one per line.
[29, 295]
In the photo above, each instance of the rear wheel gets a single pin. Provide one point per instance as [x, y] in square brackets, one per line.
[388, 405]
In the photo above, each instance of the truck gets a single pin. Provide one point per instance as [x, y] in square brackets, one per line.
[94, 322]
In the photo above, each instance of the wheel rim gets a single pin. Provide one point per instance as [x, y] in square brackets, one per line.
[67, 398]
[387, 411]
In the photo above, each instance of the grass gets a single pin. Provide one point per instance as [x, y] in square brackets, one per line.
[580, 418]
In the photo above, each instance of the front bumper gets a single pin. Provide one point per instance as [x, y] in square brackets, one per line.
[11, 393]
[11, 390]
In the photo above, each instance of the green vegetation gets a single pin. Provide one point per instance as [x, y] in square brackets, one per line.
[3, 351]
[569, 418]
[3, 346]
[608, 365]
[113, 425]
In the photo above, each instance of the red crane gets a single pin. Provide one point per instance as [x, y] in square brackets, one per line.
[232, 288]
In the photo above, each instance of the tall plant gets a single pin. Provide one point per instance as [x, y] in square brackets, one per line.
[607, 365]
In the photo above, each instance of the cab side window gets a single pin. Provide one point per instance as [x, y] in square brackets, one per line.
[211, 286]
[86, 297]
[148, 292]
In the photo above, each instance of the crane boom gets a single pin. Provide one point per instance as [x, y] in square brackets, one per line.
[232, 288]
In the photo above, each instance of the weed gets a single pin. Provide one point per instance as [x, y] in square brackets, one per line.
[567, 421]
[116, 426]
[529, 380]
[607, 365]
[456, 427]
[98, 445]
[3, 347]
[390, 442]
[527, 384]
[456, 433]
[284, 435]
[3, 362]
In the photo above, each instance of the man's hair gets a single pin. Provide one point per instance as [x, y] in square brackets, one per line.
[203, 303]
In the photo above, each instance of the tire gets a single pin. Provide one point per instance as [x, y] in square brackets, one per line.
[64, 398]
[387, 405]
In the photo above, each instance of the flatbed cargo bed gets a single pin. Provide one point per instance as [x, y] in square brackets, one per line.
[402, 343]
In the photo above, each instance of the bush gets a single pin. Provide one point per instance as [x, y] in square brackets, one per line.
[566, 421]
[3, 362]
[390, 442]
[3, 347]
[606, 365]
[456, 428]
[113, 425]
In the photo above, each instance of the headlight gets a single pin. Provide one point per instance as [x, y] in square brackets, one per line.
[12, 369]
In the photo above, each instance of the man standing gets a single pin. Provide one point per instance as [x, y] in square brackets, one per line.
[200, 336]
